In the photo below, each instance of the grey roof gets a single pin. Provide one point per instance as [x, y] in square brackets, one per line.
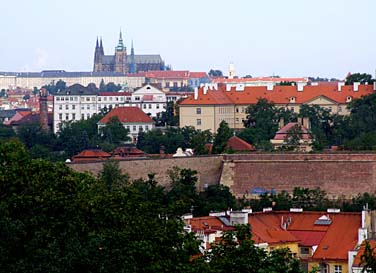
[146, 59]
[108, 59]
[61, 74]
[7, 113]
[78, 89]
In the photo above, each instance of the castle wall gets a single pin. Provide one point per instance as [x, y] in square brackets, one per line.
[337, 174]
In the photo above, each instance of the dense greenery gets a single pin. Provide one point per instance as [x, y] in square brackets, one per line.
[53, 219]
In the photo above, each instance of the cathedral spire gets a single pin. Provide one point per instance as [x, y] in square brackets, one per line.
[96, 46]
[101, 47]
[120, 45]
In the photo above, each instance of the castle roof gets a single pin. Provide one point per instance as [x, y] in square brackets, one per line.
[146, 59]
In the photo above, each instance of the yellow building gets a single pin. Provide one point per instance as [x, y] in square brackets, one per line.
[212, 103]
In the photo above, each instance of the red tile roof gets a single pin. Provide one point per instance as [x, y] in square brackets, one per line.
[168, 74]
[279, 94]
[238, 144]
[282, 134]
[259, 79]
[91, 155]
[127, 115]
[198, 75]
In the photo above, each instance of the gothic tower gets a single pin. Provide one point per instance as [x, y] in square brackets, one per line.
[132, 66]
[98, 57]
[121, 56]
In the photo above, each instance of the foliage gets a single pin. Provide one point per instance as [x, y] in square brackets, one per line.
[359, 77]
[368, 258]
[215, 73]
[168, 117]
[6, 132]
[293, 138]
[112, 176]
[55, 220]
[114, 132]
[287, 83]
[109, 87]
[224, 133]
[237, 253]
[216, 198]
[54, 88]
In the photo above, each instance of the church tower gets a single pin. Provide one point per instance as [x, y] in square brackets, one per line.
[132, 66]
[98, 57]
[231, 71]
[121, 56]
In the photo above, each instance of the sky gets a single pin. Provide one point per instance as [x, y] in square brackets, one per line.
[289, 38]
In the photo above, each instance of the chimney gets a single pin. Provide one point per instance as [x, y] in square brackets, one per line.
[281, 123]
[306, 123]
[205, 89]
[374, 86]
[228, 87]
[196, 93]
[340, 84]
[269, 86]
[43, 109]
[356, 86]
[300, 86]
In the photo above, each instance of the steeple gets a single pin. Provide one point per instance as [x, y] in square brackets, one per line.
[132, 49]
[132, 67]
[120, 45]
[101, 47]
[96, 46]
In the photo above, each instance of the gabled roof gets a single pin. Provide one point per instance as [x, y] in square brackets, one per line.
[127, 115]
[282, 133]
[238, 144]
[358, 261]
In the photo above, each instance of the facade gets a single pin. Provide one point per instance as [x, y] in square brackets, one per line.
[176, 80]
[78, 102]
[132, 118]
[232, 81]
[214, 103]
[12, 80]
[326, 240]
[123, 63]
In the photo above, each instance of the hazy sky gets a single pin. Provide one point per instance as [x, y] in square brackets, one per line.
[283, 37]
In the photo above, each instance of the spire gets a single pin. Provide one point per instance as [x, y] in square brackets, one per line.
[120, 45]
[96, 46]
[132, 49]
[101, 47]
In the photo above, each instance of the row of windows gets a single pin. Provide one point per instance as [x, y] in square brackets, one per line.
[224, 110]
[134, 128]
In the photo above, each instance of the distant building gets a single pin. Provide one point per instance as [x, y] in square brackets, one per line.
[213, 103]
[132, 118]
[124, 63]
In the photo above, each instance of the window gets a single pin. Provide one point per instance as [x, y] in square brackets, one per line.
[137, 98]
[66, 116]
[75, 98]
[128, 127]
[175, 84]
[87, 99]
[304, 250]
[88, 115]
[57, 98]
[144, 106]
[149, 106]
[157, 106]
[134, 127]
[88, 107]
[82, 107]
[71, 98]
[339, 108]
[167, 84]
[198, 111]
[92, 98]
[82, 116]
[110, 99]
[198, 122]
[60, 116]
[146, 127]
[338, 269]
[140, 129]
[60, 107]
[105, 99]
[237, 120]
[66, 107]
[73, 107]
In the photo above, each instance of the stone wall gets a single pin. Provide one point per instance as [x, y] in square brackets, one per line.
[337, 174]
[209, 168]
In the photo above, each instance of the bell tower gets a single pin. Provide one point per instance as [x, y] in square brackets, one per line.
[121, 56]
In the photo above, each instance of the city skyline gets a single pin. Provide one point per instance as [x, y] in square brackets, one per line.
[289, 38]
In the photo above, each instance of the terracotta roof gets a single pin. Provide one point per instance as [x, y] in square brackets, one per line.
[358, 261]
[279, 94]
[173, 74]
[91, 155]
[128, 151]
[283, 132]
[198, 75]
[259, 79]
[32, 118]
[127, 115]
[238, 144]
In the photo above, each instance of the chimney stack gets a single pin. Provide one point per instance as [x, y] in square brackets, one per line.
[43, 109]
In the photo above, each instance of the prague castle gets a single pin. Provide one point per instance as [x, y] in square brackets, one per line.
[124, 63]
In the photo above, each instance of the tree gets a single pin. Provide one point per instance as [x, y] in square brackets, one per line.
[199, 141]
[223, 134]
[368, 258]
[287, 83]
[294, 136]
[215, 73]
[3, 93]
[114, 132]
[112, 176]
[362, 78]
[215, 198]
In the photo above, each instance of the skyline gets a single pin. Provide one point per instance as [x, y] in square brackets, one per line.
[290, 39]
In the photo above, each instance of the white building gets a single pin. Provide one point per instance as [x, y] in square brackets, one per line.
[78, 102]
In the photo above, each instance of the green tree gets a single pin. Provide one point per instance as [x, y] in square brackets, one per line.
[215, 73]
[223, 134]
[199, 141]
[368, 258]
[6, 132]
[359, 77]
[112, 176]
[114, 132]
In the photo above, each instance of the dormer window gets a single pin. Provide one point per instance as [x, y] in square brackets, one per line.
[292, 100]
[348, 98]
